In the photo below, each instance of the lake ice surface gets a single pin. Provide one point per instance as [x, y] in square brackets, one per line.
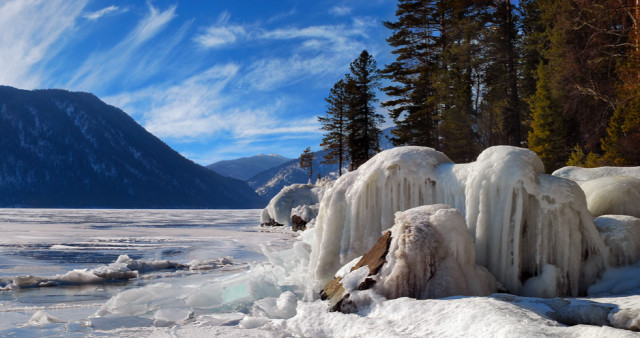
[249, 298]
[49, 242]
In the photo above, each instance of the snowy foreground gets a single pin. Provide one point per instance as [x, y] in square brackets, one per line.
[514, 252]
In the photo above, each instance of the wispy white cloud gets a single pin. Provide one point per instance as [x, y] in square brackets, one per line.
[221, 33]
[102, 67]
[317, 51]
[29, 34]
[105, 11]
[340, 10]
[201, 106]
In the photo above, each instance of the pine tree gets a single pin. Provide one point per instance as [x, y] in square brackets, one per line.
[621, 145]
[334, 122]
[363, 128]
[412, 105]
[547, 134]
[306, 161]
[501, 101]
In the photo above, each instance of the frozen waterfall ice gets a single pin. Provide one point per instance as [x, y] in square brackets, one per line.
[526, 225]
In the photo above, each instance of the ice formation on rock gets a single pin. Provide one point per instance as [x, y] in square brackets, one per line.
[521, 219]
[612, 195]
[295, 195]
[361, 204]
[621, 234]
[587, 174]
[432, 256]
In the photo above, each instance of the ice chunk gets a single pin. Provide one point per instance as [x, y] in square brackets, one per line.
[283, 307]
[614, 195]
[168, 316]
[432, 256]
[622, 235]
[519, 218]
[279, 208]
[40, 317]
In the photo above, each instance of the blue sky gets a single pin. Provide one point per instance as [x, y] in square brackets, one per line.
[214, 79]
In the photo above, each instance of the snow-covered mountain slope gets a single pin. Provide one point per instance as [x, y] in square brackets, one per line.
[246, 167]
[269, 182]
[66, 149]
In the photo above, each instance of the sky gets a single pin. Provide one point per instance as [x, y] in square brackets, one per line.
[214, 79]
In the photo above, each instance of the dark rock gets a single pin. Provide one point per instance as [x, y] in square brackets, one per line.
[271, 223]
[374, 259]
[298, 224]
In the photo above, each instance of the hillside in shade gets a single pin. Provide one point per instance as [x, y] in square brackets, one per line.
[246, 167]
[69, 149]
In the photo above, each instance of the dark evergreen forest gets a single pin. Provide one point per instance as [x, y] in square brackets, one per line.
[560, 77]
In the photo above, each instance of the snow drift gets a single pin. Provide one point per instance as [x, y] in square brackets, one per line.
[529, 228]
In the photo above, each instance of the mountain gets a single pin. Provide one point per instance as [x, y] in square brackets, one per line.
[71, 150]
[246, 167]
[269, 182]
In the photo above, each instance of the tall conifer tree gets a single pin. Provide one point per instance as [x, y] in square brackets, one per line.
[363, 127]
[334, 122]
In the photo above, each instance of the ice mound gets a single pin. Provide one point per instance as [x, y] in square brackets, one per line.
[520, 219]
[40, 317]
[279, 208]
[621, 234]
[587, 174]
[361, 204]
[612, 195]
[432, 256]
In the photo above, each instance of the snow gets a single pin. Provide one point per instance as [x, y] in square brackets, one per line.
[520, 219]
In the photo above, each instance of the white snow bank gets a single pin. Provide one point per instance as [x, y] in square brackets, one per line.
[520, 218]
[432, 256]
[621, 234]
[618, 281]
[587, 174]
[279, 208]
[451, 317]
[612, 195]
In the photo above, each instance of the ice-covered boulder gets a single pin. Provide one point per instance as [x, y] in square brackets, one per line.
[432, 255]
[361, 204]
[612, 195]
[428, 253]
[279, 208]
[587, 174]
[520, 219]
[621, 234]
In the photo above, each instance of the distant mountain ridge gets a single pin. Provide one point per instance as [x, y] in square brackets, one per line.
[269, 182]
[70, 149]
[246, 167]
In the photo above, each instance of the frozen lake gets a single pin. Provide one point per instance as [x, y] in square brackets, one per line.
[49, 242]
[80, 284]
